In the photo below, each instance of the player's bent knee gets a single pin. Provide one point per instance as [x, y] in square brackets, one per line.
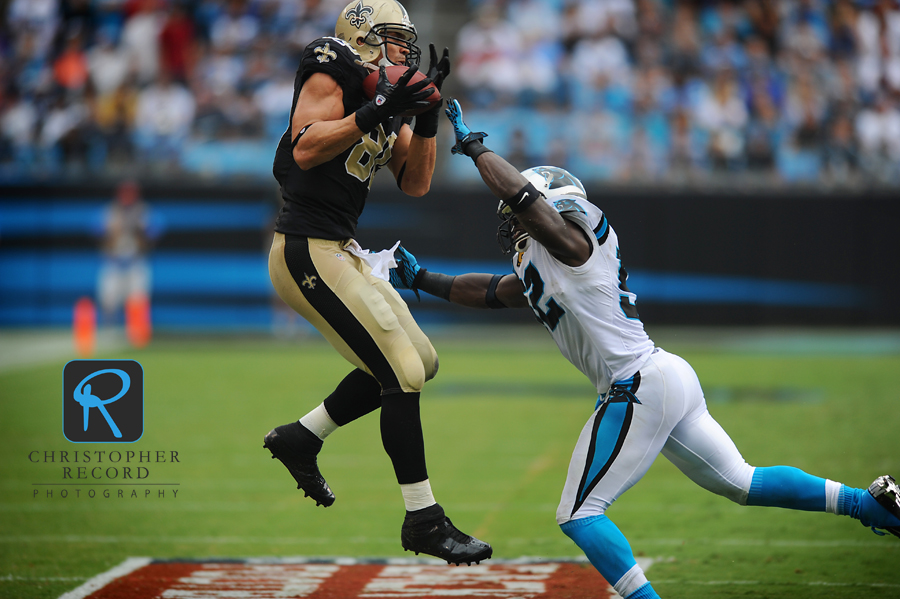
[409, 370]
[432, 368]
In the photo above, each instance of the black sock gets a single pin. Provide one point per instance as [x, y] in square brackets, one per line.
[401, 435]
[355, 396]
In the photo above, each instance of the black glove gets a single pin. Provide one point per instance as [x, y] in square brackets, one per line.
[392, 98]
[427, 122]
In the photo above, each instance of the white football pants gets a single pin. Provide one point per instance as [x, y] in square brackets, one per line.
[660, 409]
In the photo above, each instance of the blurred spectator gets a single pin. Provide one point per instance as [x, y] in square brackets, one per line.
[79, 17]
[115, 116]
[723, 114]
[311, 19]
[878, 32]
[140, 39]
[600, 72]
[59, 141]
[38, 19]
[488, 63]
[177, 42]
[765, 21]
[764, 132]
[70, 69]
[686, 146]
[806, 111]
[165, 113]
[684, 43]
[108, 64]
[273, 99]
[841, 160]
[844, 44]
[128, 229]
[235, 29]
[539, 31]
[18, 129]
[591, 19]
[878, 133]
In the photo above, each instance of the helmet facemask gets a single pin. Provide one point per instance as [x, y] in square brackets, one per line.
[396, 34]
[510, 234]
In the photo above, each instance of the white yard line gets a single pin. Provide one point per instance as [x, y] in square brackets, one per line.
[101, 580]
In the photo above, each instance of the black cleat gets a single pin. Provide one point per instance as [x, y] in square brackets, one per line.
[296, 447]
[887, 493]
[429, 531]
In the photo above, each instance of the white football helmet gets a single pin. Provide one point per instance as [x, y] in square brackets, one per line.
[551, 181]
[370, 25]
[554, 181]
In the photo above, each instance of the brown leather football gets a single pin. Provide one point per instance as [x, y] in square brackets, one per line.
[394, 72]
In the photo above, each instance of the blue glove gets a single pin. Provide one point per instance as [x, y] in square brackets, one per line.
[464, 135]
[405, 274]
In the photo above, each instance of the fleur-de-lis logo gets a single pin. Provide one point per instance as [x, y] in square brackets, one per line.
[357, 15]
[309, 281]
[325, 53]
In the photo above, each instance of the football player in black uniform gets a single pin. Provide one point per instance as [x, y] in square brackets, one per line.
[336, 141]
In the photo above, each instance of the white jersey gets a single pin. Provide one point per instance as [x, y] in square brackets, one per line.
[587, 309]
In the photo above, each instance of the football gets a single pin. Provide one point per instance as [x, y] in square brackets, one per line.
[394, 72]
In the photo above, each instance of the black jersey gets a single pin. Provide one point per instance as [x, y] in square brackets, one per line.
[325, 201]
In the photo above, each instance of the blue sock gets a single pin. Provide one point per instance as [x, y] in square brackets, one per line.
[608, 550]
[645, 592]
[787, 487]
[859, 504]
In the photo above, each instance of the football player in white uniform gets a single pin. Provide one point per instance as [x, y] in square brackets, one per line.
[568, 271]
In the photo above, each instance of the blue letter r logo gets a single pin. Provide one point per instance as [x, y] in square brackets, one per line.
[103, 401]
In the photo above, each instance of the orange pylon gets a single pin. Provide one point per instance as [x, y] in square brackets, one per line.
[137, 320]
[84, 327]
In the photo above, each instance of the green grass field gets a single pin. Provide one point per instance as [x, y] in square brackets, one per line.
[500, 421]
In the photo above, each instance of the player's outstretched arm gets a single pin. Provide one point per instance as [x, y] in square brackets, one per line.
[565, 242]
[475, 290]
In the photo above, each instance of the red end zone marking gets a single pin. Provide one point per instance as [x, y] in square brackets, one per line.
[260, 579]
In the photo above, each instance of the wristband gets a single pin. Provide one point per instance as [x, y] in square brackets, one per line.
[526, 196]
[474, 149]
[427, 123]
[367, 118]
[434, 283]
[490, 296]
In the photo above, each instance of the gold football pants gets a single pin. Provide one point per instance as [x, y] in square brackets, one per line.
[361, 315]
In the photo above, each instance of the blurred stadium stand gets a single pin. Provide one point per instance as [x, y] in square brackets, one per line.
[747, 151]
[676, 93]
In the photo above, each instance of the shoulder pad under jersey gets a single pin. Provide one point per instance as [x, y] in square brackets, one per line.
[334, 57]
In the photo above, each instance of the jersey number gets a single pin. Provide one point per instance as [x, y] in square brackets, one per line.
[553, 313]
[371, 152]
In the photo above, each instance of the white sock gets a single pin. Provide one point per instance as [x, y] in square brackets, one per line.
[319, 422]
[417, 496]
[631, 581]
[832, 495]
